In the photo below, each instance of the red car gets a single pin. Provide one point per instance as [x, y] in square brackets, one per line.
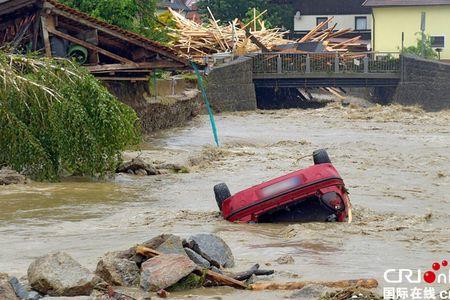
[314, 194]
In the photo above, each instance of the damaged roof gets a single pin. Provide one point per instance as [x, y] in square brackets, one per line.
[331, 7]
[379, 3]
[11, 6]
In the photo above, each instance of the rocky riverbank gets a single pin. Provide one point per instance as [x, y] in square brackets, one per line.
[156, 268]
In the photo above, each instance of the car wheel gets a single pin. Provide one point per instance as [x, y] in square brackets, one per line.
[321, 157]
[222, 192]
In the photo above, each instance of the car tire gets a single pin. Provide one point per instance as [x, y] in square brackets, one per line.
[222, 192]
[321, 157]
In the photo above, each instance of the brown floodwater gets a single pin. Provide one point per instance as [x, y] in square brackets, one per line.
[395, 162]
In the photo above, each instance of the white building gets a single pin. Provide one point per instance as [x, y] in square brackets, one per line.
[346, 13]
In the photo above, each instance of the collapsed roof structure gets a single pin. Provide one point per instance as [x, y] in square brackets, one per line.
[109, 52]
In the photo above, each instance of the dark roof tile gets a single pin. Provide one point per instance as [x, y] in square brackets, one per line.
[377, 3]
[331, 7]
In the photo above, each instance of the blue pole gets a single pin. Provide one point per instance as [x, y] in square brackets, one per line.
[205, 99]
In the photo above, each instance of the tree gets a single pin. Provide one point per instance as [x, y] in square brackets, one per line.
[278, 14]
[422, 48]
[57, 118]
[134, 15]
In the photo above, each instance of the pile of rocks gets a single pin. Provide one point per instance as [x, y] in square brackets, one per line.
[138, 166]
[181, 264]
[9, 176]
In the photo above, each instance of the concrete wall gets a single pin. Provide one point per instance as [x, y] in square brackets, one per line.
[425, 83]
[390, 22]
[230, 87]
[164, 112]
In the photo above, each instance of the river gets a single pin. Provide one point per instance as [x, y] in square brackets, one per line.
[395, 162]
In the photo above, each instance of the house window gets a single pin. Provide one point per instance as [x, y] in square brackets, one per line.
[437, 41]
[360, 23]
[321, 20]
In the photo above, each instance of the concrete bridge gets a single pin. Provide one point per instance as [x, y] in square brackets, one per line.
[326, 70]
[405, 79]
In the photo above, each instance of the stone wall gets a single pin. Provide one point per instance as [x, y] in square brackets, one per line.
[160, 113]
[425, 83]
[230, 87]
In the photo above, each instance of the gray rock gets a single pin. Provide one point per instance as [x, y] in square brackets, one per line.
[135, 165]
[118, 271]
[140, 172]
[6, 290]
[213, 249]
[129, 293]
[285, 260]
[23, 291]
[197, 258]
[58, 274]
[171, 245]
[164, 271]
[311, 292]
[9, 176]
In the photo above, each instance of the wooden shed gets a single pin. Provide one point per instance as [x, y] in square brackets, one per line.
[109, 52]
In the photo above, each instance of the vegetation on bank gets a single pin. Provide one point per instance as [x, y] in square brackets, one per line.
[134, 15]
[56, 118]
[280, 13]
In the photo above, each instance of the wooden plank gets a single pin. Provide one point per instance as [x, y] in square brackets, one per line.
[45, 36]
[123, 67]
[89, 46]
[225, 280]
[122, 78]
[361, 283]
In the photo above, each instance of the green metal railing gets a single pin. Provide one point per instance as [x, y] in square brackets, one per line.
[329, 63]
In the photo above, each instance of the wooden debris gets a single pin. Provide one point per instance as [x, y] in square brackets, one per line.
[197, 41]
[361, 283]
[242, 276]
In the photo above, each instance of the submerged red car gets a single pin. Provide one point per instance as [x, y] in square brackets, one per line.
[314, 194]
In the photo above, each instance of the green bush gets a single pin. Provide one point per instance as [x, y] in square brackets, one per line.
[422, 48]
[56, 118]
[134, 15]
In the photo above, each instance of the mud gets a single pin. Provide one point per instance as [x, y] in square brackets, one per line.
[395, 162]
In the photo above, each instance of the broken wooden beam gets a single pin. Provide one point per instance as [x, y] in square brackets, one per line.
[342, 284]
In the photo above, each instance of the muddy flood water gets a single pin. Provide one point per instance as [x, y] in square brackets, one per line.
[395, 162]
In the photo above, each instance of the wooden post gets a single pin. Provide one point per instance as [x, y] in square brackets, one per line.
[336, 63]
[308, 64]
[279, 64]
[366, 64]
[46, 37]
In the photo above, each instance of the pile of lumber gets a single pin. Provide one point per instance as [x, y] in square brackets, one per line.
[331, 38]
[196, 41]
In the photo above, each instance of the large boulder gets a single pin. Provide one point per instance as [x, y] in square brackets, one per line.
[6, 289]
[172, 244]
[9, 176]
[165, 270]
[58, 274]
[213, 249]
[118, 271]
